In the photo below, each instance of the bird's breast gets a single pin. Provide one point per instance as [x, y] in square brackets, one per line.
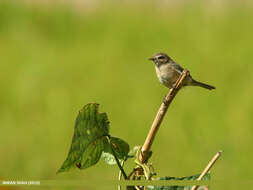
[166, 75]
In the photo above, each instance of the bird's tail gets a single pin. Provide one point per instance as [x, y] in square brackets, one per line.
[203, 85]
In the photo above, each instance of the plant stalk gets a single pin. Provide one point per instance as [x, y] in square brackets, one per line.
[160, 115]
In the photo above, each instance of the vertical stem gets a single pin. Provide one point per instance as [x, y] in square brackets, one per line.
[160, 115]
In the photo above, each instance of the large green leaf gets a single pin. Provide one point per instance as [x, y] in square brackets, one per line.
[89, 139]
[115, 146]
[194, 177]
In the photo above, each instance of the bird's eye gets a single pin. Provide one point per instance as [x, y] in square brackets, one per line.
[161, 57]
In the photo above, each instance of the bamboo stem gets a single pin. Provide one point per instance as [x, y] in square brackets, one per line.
[160, 115]
[207, 168]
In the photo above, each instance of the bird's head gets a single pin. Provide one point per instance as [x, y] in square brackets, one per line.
[160, 59]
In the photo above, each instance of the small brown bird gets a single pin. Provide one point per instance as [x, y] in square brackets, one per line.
[168, 71]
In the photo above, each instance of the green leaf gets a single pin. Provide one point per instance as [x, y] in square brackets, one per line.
[89, 139]
[91, 155]
[194, 177]
[119, 146]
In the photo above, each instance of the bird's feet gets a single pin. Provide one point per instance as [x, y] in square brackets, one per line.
[174, 86]
[165, 101]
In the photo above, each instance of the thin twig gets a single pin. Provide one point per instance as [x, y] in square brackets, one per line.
[207, 168]
[160, 115]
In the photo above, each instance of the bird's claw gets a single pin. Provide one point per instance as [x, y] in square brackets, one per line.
[165, 101]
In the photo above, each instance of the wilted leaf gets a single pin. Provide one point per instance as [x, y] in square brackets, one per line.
[119, 146]
[89, 139]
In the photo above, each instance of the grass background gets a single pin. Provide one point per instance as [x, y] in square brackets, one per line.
[55, 59]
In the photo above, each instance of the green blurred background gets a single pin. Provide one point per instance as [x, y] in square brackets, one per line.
[55, 58]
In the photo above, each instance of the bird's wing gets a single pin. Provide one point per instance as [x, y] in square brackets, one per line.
[177, 67]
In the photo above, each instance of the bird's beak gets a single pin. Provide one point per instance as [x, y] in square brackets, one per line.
[151, 59]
